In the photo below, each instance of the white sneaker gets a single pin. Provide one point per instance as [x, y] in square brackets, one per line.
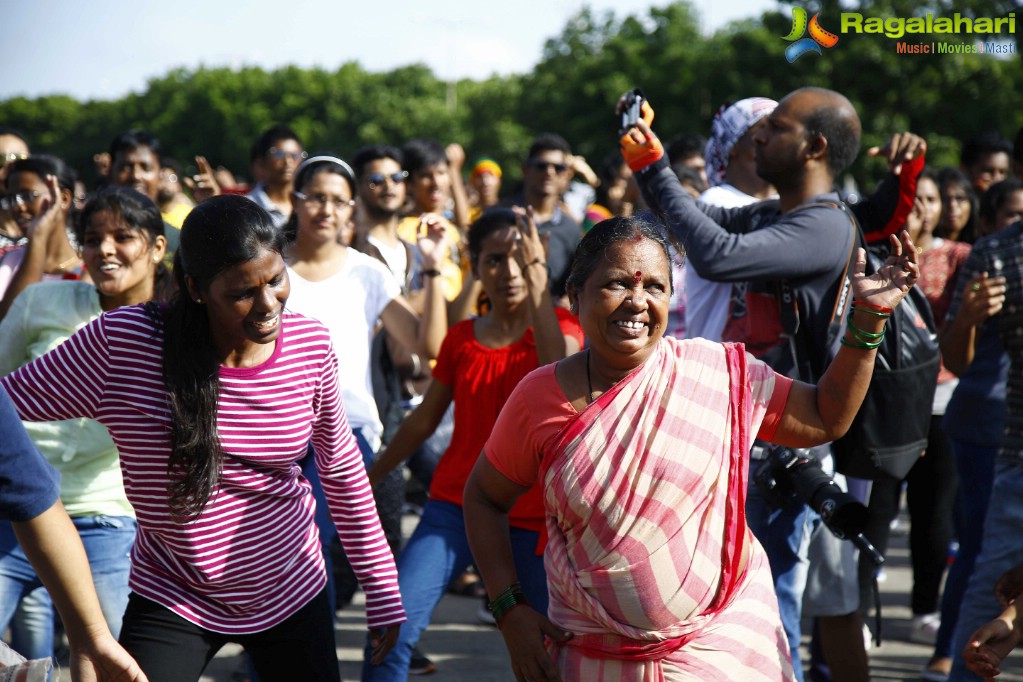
[924, 628]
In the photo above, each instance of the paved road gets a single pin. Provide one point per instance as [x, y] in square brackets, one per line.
[467, 651]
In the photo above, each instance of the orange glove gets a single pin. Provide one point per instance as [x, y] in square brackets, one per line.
[640, 147]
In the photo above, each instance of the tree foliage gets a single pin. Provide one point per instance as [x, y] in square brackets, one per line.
[219, 112]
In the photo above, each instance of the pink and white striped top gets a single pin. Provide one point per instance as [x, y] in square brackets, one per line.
[252, 558]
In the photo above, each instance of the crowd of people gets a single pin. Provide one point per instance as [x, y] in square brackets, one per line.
[237, 386]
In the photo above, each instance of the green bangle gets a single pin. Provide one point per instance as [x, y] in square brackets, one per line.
[861, 332]
[859, 344]
[504, 604]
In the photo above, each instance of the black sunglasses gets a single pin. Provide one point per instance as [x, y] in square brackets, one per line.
[541, 165]
[377, 179]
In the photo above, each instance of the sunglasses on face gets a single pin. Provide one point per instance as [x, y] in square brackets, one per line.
[280, 155]
[543, 166]
[377, 179]
[22, 198]
[318, 201]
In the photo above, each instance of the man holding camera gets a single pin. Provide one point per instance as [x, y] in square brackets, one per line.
[792, 252]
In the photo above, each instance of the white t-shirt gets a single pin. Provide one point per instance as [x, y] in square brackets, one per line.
[706, 301]
[395, 256]
[349, 303]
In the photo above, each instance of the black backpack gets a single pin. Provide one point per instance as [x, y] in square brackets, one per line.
[889, 433]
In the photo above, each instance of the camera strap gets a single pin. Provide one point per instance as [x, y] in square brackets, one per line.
[788, 306]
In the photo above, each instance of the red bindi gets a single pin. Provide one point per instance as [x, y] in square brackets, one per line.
[638, 277]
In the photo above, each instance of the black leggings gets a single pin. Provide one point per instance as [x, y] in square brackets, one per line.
[932, 486]
[171, 649]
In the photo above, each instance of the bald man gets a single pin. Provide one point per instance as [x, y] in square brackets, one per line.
[804, 239]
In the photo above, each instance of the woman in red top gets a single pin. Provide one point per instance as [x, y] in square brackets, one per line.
[480, 363]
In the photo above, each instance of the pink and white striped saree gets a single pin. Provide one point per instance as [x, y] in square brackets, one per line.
[649, 560]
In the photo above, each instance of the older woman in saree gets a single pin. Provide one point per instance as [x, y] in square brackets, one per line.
[641, 442]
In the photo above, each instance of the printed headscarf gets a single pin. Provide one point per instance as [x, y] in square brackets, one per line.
[730, 124]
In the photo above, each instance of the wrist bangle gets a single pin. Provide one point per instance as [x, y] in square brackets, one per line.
[871, 308]
[432, 272]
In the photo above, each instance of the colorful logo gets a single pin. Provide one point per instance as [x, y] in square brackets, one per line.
[818, 36]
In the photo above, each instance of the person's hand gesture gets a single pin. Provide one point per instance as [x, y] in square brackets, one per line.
[988, 646]
[915, 219]
[432, 240]
[1010, 586]
[382, 641]
[523, 629]
[893, 280]
[902, 148]
[203, 184]
[48, 222]
[456, 157]
[531, 250]
[640, 147]
[578, 165]
[983, 297]
[104, 661]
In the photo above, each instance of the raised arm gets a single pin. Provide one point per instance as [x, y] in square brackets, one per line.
[978, 298]
[722, 244]
[42, 231]
[52, 545]
[822, 413]
[422, 334]
[456, 159]
[551, 344]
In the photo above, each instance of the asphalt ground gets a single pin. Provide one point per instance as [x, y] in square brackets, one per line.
[467, 651]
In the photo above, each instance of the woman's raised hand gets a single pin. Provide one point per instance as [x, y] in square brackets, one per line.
[432, 240]
[531, 250]
[48, 221]
[893, 280]
[204, 184]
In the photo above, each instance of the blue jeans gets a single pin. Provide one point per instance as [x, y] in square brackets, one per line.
[785, 534]
[107, 540]
[1001, 549]
[437, 550]
[976, 467]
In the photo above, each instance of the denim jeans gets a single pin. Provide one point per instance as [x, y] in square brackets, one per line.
[785, 534]
[437, 550]
[1001, 549]
[107, 540]
[976, 467]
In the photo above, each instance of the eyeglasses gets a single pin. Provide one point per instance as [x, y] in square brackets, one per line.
[543, 166]
[280, 155]
[318, 201]
[22, 198]
[10, 157]
[377, 179]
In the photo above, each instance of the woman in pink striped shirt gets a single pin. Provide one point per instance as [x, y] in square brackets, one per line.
[211, 403]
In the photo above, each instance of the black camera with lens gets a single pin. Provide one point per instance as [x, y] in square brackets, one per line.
[796, 472]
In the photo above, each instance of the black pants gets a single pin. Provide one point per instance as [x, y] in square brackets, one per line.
[931, 488]
[170, 649]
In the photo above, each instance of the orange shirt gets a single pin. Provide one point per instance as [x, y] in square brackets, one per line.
[481, 380]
